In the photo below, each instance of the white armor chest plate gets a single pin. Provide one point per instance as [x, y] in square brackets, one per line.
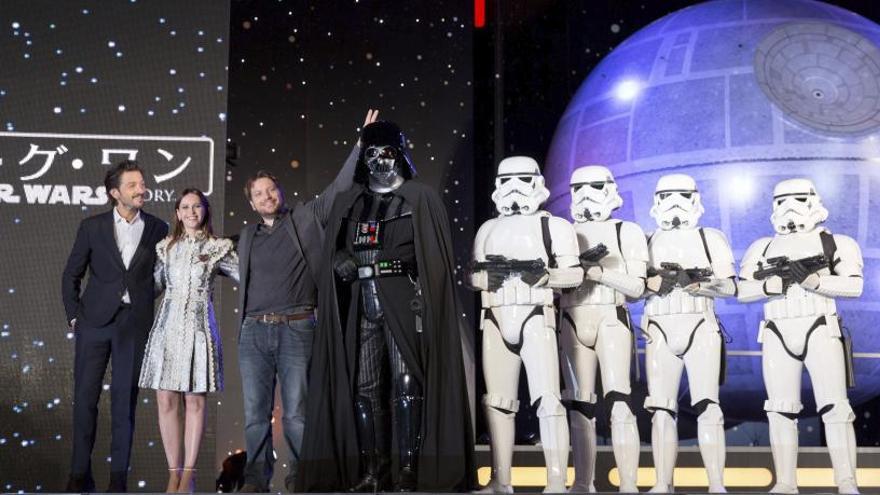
[517, 237]
[591, 234]
[685, 247]
[797, 301]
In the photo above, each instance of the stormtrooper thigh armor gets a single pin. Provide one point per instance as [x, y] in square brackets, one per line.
[690, 341]
[787, 345]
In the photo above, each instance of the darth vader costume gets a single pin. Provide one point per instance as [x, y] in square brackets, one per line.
[388, 405]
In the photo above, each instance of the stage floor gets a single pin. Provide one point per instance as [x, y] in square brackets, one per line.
[748, 470]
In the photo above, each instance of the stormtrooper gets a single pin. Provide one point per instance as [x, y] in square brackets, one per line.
[595, 325]
[798, 273]
[519, 258]
[689, 267]
[388, 315]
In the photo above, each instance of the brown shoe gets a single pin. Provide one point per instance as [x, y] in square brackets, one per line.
[187, 480]
[173, 480]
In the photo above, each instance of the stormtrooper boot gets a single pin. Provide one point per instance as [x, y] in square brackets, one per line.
[625, 443]
[784, 446]
[501, 432]
[554, 439]
[841, 439]
[583, 446]
[664, 445]
[710, 434]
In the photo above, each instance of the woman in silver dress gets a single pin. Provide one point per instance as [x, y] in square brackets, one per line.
[183, 358]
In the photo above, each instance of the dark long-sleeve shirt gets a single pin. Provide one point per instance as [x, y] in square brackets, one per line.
[276, 276]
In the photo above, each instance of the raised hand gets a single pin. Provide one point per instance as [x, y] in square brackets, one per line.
[371, 117]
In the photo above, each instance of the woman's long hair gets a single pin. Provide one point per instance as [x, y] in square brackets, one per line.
[179, 230]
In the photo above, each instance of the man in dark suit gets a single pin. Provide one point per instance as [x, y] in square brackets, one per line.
[110, 319]
[279, 262]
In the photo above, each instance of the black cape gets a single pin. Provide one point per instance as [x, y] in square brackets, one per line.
[329, 459]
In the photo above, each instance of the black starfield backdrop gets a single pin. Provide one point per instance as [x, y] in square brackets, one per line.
[302, 75]
[84, 85]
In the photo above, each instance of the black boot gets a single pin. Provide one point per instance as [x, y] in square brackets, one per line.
[407, 480]
[375, 473]
[374, 462]
[118, 482]
[80, 483]
[407, 425]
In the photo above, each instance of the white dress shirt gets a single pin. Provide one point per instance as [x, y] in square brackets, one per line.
[128, 236]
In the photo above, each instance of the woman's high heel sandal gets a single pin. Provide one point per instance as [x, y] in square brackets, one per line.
[187, 480]
[173, 480]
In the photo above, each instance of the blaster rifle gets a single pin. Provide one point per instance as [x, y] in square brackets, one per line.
[592, 256]
[781, 267]
[675, 276]
[500, 268]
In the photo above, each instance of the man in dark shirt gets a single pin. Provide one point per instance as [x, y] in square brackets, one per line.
[279, 260]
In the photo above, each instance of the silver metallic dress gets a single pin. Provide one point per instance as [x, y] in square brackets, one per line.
[184, 351]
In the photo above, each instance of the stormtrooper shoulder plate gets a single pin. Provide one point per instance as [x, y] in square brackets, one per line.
[480, 239]
[633, 243]
[754, 254]
[564, 241]
[848, 259]
[720, 253]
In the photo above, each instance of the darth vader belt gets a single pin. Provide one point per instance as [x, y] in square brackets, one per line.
[386, 268]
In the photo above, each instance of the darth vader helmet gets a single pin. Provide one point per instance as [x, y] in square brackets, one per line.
[384, 156]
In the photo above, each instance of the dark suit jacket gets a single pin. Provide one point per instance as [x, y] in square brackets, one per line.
[95, 250]
[304, 223]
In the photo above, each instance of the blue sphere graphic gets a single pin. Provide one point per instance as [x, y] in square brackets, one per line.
[741, 94]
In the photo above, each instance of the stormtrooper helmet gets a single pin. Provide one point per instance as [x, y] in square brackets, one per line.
[519, 186]
[384, 155]
[797, 207]
[593, 194]
[677, 202]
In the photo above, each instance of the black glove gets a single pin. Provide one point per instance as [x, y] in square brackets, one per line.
[495, 279]
[533, 278]
[345, 266]
[798, 271]
[666, 285]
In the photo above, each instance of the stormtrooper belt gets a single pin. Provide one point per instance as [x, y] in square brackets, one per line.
[386, 268]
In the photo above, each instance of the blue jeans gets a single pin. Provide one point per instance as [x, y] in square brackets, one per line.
[264, 350]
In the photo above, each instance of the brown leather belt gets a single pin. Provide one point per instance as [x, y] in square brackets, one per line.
[279, 318]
